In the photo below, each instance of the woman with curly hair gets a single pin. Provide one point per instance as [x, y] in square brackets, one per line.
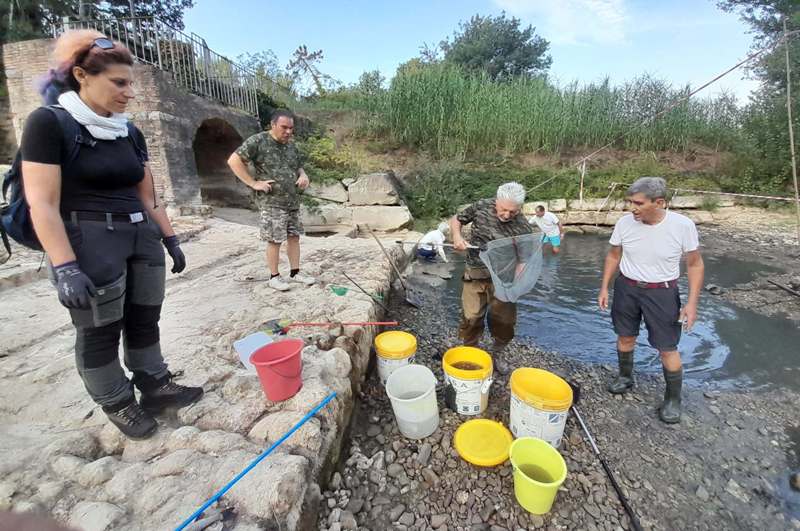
[93, 205]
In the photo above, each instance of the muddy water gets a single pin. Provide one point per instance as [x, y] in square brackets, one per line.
[728, 345]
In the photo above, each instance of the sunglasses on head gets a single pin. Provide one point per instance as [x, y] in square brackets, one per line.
[102, 43]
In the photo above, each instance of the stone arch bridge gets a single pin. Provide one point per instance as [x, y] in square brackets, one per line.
[192, 119]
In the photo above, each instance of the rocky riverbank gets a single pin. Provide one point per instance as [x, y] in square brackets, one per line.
[727, 465]
[59, 456]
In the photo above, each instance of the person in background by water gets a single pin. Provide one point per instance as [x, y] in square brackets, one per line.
[432, 243]
[552, 230]
[647, 246]
[97, 218]
[491, 219]
[278, 181]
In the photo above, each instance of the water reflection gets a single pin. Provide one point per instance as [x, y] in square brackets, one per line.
[727, 344]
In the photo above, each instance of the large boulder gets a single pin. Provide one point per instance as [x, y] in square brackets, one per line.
[95, 515]
[529, 209]
[577, 217]
[696, 201]
[334, 192]
[595, 204]
[374, 189]
[557, 205]
[382, 218]
[326, 218]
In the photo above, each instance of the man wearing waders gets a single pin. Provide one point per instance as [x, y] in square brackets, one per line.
[491, 219]
[647, 246]
[278, 181]
[93, 207]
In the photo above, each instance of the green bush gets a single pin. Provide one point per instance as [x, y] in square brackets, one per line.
[325, 161]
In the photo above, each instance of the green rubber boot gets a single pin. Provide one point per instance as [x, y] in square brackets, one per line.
[624, 381]
[670, 410]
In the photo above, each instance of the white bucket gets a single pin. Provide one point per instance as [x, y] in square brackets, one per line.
[540, 402]
[395, 349]
[412, 391]
[467, 390]
[249, 344]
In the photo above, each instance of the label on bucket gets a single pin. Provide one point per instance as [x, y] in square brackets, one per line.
[527, 421]
[387, 366]
[470, 395]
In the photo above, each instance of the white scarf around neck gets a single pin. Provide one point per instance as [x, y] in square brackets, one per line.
[100, 127]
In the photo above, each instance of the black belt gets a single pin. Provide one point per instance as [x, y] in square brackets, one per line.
[108, 217]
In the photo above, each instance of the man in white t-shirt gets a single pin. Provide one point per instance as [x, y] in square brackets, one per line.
[551, 228]
[647, 246]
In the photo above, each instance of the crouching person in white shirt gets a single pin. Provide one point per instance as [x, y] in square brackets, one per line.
[647, 246]
[432, 243]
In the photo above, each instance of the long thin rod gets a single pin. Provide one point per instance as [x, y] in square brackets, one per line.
[628, 509]
[791, 126]
[255, 462]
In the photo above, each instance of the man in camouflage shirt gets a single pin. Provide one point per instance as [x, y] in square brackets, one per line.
[491, 219]
[277, 183]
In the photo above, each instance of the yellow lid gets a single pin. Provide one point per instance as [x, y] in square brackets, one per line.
[541, 389]
[483, 442]
[471, 355]
[395, 344]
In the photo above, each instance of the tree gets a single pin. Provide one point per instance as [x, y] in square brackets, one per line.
[304, 63]
[272, 79]
[766, 163]
[30, 19]
[498, 46]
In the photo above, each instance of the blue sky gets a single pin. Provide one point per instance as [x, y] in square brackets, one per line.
[682, 41]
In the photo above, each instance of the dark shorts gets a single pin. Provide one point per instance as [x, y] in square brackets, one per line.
[428, 254]
[660, 308]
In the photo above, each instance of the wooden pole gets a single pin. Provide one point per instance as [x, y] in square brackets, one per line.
[583, 176]
[791, 127]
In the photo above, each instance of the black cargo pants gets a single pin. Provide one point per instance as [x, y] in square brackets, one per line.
[123, 256]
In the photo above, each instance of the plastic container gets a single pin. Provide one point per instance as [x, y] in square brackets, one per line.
[412, 392]
[482, 442]
[540, 403]
[249, 344]
[539, 470]
[279, 366]
[467, 378]
[395, 349]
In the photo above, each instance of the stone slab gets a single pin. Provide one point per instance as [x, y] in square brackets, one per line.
[373, 189]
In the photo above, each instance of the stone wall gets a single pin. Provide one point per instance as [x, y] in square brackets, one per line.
[8, 143]
[168, 115]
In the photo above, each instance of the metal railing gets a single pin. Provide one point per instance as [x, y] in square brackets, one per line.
[187, 57]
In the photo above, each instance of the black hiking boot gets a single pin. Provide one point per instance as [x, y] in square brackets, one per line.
[131, 420]
[623, 382]
[670, 410]
[158, 395]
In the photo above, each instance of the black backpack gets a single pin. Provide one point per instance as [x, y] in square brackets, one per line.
[15, 215]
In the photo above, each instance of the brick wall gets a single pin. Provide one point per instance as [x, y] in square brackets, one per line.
[168, 115]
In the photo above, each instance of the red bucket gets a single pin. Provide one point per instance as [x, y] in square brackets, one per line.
[279, 366]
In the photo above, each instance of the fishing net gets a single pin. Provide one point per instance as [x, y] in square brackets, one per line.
[515, 264]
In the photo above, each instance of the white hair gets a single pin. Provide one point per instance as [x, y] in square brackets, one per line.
[512, 191]
[443, 227]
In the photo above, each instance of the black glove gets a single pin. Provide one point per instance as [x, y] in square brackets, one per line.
[74, 287]
[174, 250]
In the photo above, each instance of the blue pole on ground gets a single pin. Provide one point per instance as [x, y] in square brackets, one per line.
[252, 465]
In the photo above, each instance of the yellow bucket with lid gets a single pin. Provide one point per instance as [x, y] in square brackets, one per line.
[540, 402]
[395, 349]
[467, 378]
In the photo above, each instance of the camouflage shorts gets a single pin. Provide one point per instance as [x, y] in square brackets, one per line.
[277, 224]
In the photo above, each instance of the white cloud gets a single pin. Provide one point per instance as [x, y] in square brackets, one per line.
[572, 21]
